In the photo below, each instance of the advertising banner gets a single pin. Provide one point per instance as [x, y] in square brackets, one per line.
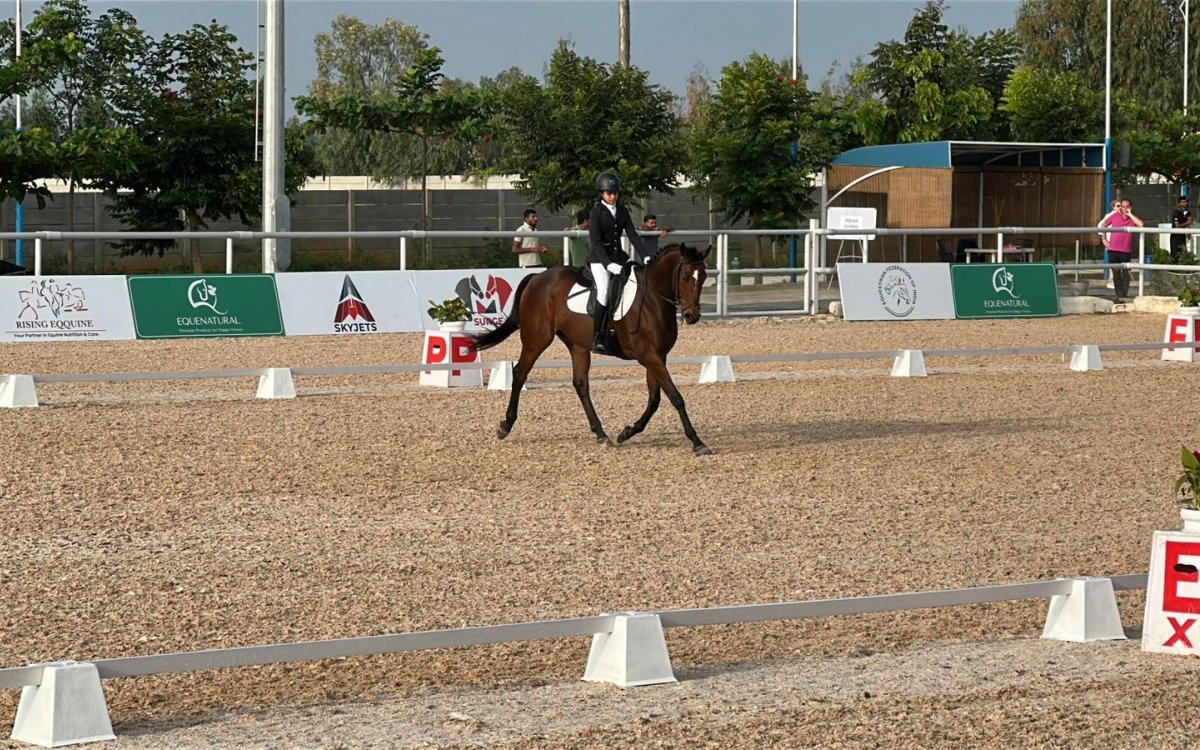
[487, 293]
[199, 306]
[896, 291]
[64, 308]
[1012, 290]
[350, 303]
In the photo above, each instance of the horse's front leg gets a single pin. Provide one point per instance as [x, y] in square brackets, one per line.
[581, 363]
[655, 398]
[658, 370]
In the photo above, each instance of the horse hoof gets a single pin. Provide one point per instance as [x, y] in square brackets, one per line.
[603, 439]
[702, 450]
[502, 431]
[625, 434]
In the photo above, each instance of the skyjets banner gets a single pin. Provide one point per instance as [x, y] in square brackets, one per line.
[64, 308]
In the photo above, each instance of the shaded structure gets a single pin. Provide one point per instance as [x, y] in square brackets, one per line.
[958, 184]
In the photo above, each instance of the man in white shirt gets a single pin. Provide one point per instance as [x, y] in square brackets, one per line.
[528, 251]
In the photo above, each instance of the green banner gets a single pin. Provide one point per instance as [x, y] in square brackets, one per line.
[198, 306]
[1009, 290]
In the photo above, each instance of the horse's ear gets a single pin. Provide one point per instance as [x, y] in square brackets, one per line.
[704, 253]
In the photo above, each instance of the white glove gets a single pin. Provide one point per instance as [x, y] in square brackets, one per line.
[614, 267]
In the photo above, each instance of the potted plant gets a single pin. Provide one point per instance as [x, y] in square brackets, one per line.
[450, 314]
[1187, 488]
[1189, 299]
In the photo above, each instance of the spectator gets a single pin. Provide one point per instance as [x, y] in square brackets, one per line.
[579, 245]
[1120, 245]
[650, 241]
[529, 253]
[1180, 219]
[1114, 210]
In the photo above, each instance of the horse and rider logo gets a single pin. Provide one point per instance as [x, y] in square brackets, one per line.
[897, 291]
[49, 296]
[487, 301]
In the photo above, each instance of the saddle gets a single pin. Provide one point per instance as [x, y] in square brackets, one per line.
[622, 289]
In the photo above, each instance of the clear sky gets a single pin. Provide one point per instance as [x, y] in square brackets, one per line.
[669, 38]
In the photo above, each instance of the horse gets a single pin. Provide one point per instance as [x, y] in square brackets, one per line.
[672, 281]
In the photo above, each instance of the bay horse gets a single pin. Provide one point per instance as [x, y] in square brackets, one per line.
[646, 333]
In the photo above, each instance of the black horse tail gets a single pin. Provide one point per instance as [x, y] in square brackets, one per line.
[488, 339]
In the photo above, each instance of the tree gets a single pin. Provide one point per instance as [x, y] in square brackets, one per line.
[419, 106]
[191, 108]
[362, 60]
[741, 150]
[935, 84]
[1166, 145]
[1147, 45]
[76, 94]
[585, 119]
[1053, 107]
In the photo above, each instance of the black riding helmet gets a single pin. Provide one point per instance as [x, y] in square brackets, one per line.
[608, 181]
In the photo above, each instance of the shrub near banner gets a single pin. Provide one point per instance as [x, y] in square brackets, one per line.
[1011, 290]
[201, 306]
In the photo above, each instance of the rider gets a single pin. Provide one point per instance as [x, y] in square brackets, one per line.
[608, 220]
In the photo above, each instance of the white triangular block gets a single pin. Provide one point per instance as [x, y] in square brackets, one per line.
[716, 370]
[500, 377]
[276, 383]
[1088, 613]
[910, 363]
[67, 708]
[1086, 357]
[634, 653]
[17, 390]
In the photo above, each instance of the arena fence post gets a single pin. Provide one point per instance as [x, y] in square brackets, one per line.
[1086, 357]
[909, 363]
[717, 369]
[17, 390]
[1089, 613]
[276, 382]
[633, 654]
[67, 708]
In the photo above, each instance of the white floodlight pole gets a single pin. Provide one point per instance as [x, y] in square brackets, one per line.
[19, 255]
[1186, 63]
[795, 17]
[276, 209]
[1108, 108]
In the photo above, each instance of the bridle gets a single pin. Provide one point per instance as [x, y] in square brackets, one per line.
[676, 283]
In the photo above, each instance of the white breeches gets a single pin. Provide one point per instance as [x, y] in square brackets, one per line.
[601, 276]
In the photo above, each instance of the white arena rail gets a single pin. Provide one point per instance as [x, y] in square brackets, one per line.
[63, 703]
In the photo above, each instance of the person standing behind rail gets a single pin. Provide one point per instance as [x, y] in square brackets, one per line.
[529, 253]
[579, 245]
[1120, 245]
[1180, 219]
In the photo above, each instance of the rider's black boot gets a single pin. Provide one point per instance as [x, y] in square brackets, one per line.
[597, 329]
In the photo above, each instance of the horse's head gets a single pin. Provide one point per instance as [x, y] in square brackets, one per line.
[689, 281]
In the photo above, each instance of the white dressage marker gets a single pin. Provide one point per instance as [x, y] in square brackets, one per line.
[633, 654]
[276, 383]
[910, 363]
[67, 708]
[1086, 357]
[500, 377]
[716, 370]
[1089, 613]
[17, 390]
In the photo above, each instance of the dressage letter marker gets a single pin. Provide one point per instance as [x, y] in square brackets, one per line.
[1173, 594]
[1185, 328]
[442, 347]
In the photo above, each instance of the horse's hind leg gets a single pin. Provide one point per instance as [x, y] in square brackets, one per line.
[581, 363]
[529, 354]
[659, 371]
[655, 398]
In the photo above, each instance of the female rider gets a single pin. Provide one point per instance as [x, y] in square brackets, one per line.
[608, 220]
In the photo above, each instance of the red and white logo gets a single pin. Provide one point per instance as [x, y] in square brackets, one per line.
[353, 315]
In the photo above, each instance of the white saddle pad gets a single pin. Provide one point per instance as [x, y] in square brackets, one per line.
[577, 298]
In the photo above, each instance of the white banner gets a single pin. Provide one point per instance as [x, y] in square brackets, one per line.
[348, 302]
[65, 308]
[355, 302]
[896, 291]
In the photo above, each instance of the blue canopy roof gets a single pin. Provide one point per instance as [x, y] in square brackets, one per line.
[947, 154]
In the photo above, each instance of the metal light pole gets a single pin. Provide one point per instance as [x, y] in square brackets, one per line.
[1108, 109]
[793, 254]
[1186, 62]
[276, 209]
[19, 256]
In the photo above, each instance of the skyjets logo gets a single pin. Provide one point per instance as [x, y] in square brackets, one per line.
[353, 315]
[488, 301]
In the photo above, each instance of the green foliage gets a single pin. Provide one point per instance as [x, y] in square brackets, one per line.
[741, 150]
[450, 310]
[1189, 296]
[586, 119]
[1045, 106]
[1165, 144]
[1187, 484]
[935, 84]
[1147, 48]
